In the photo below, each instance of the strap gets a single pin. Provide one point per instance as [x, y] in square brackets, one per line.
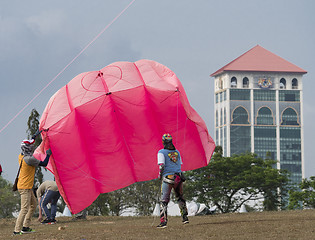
[167, 180]
[20, 168]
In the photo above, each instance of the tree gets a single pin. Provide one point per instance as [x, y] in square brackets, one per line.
[305, 196]
[229, 182]
[144, 195]
[99, 206]
[117, 201]
[9, 201]
[32, 127]
[141, 195]
[112, 203]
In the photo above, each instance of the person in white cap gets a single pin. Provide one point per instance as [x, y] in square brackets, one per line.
[28, 164]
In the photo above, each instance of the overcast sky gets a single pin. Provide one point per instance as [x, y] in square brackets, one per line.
[38, 38]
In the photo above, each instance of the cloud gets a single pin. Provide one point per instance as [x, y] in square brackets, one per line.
[47, 23]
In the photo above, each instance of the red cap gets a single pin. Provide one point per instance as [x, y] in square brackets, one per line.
[28, 141]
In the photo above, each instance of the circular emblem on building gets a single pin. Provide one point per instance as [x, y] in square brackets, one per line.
[264, 82]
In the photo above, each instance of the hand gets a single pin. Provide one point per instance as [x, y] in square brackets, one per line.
[40, 218]
[48, 152]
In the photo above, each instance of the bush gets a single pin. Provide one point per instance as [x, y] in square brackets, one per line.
[9, 200]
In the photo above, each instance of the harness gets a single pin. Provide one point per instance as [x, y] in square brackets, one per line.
[171, 178]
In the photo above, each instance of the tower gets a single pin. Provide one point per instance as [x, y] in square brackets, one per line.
[259, 109]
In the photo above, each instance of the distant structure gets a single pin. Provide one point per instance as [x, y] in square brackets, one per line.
[259, 108]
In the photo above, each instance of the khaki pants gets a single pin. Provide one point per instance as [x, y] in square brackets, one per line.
[28, 206]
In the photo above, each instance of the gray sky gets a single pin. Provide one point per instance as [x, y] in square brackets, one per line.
[38, 38]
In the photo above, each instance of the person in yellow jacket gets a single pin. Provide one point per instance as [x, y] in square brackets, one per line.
[25, 186]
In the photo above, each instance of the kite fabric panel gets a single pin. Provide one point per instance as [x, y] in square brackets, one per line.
[105, 129]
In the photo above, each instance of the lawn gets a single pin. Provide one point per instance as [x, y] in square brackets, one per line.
[241, 226]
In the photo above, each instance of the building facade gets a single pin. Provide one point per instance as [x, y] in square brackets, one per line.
[259, 109]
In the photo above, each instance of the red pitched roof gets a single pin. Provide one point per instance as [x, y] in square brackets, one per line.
[259, 59]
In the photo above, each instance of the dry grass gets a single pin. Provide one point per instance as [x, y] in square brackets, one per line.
[240, 226]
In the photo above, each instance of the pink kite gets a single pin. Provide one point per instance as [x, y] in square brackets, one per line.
[105, 129]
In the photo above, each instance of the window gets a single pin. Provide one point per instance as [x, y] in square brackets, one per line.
[245, 82]
[282, 83]
[289, 117]
[240, 139]
[289, 96]
[216, 118]
[239, 94]
[265, 140]
[240, 116]
[233, 82]
[294, 83]
[290, 152]
[264, 117]
[264, 95]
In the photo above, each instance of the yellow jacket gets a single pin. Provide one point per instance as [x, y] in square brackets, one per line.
[27, 174]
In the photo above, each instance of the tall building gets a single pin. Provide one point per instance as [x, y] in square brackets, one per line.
[259, 108]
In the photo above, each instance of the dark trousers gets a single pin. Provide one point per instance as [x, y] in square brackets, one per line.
[166, 189]
[52, 198]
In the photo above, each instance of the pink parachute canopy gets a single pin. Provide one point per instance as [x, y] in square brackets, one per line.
[105, 129]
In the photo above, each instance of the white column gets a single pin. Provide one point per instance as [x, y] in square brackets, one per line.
[252, 120]
[302, 132]
[278, 128]
[228, 123]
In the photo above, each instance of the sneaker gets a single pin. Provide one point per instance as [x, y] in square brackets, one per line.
[185, 220]
[53, 221]
[80, 217]
[17, 233]
[162, 225]
[27, 230]
[46, 221]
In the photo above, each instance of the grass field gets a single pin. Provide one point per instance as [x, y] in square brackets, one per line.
[241, 226]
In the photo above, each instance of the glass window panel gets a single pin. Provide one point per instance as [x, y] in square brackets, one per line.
[264, 116]
[240, 116]
[290, 152]
[239, 94]
[240, 139]
[265, 140]
[289, 96]
[264, 95]
[224, 116]
[289, 117]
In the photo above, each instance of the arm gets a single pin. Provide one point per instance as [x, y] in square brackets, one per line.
[161, 163]
[39, 194]
[39, 132]
[32, 161]
[40, 216]
[45, 162]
